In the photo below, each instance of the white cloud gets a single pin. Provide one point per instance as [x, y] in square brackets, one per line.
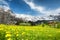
[33, 6]
[25, 17]
[4, 5]
[41, 9]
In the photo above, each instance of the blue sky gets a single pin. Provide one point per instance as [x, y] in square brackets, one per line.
[35, 7]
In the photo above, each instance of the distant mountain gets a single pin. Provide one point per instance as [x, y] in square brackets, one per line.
[32, 18]
[4, 5]
[24, 16]
[6, 15]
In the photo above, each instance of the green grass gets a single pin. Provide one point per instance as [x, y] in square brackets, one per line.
[13, 32]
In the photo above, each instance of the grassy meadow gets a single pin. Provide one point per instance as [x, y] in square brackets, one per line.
[14, 32]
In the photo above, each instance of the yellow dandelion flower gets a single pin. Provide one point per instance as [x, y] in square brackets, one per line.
[7, 32]
[58, 31]
[50, 35]
[8, 35]
[17, 34]
[23, 33]
[9, 39]
[1, 28]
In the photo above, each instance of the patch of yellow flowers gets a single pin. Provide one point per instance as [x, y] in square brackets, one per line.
[9, 39]
[23, 33]
[8, 35]
[16, 30]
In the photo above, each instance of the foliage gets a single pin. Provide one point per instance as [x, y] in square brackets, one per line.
[13, 32]
[24, 24]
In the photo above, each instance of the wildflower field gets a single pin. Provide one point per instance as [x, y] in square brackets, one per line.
[14, 32]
